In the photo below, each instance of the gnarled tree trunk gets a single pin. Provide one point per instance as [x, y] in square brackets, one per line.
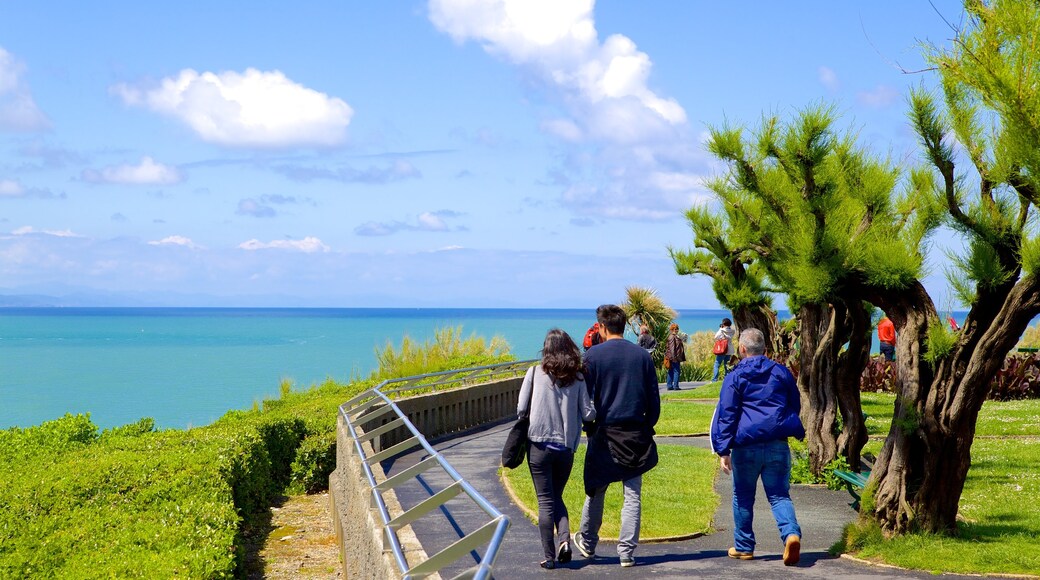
[828, 381]
[920, 473]
[763, 318]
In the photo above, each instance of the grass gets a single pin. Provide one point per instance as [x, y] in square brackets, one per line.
[682, 418]
[684, 477]
[708, 391]
[1001, 503]
[996, 419]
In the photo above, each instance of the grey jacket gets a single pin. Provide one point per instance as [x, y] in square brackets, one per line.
[556, 412]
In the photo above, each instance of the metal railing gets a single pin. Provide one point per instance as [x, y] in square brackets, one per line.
[376, 405]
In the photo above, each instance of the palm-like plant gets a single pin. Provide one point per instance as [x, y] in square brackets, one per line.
[644, 306]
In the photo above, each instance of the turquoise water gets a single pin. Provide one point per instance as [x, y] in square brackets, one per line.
[188, 366]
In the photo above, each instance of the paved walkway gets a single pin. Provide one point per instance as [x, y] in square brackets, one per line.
[821, 512]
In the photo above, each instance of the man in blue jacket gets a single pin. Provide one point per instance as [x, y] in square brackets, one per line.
[757, 411]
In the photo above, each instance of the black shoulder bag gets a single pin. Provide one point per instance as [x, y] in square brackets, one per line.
[516, 441]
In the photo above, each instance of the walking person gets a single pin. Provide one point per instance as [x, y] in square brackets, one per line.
[675, 354]
[647, 340]
[622, 382]
[559, 404]
[728, 333]
[886, 333]
[757, 411]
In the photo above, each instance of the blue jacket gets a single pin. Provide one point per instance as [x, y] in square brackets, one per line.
[759, 402]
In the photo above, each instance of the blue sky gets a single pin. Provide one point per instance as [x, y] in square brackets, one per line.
[463, 153]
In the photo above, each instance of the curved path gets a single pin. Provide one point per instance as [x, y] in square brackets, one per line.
[821, 512]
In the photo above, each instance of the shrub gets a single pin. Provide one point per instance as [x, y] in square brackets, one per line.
[801, 473]
[314, 463]
[879, 376]
[134, 502]
[1018, 379]
[1030, 338]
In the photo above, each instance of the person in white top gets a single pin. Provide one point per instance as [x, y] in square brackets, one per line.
[728, 333]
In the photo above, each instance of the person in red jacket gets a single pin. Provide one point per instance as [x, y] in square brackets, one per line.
[886, 333]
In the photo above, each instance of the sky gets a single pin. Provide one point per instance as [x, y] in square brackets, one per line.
[449, 153]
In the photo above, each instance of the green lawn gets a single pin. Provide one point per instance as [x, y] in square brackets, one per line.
[1001, 503]
[684, 418]
[997, 418]
[1001, 500]
[684, 477]
[708, 391]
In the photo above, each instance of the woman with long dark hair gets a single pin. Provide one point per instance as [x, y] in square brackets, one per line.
[559, 403]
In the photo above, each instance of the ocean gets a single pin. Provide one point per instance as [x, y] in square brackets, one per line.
[188, 366]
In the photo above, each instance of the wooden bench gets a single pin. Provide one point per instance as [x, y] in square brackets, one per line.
[854, 482]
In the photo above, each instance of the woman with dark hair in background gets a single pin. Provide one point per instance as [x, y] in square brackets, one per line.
[559, 403]
[675, 355]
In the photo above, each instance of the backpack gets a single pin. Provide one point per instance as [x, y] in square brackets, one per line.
[592, 337]
[721, 346]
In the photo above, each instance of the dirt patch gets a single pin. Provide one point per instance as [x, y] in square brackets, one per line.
[297, 541]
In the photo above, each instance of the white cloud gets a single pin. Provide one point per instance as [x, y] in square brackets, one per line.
[829, 79]
[879, 97]
[250, 109]
[10, 188]
[147, 172]
[18, 110]
[558, 41]
[620, 134]
[176, 241]
[308, 245]
[564, 129]
[430, 221]
[29, 230]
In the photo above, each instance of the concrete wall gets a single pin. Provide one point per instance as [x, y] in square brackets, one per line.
[358, 526]
[442, 413]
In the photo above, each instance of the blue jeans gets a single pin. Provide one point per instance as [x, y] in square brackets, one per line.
[770, 461]
[672, 380]
[721, 360]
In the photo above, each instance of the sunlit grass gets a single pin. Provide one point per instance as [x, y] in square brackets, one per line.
[996, 419]
[684, 418]
[708, 391]
[684, 477]
[1001, 506]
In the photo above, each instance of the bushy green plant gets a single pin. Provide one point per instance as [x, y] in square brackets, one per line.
[133, 502]
[315, 460]
[802, 473]
[445, 351]
[1030, 338]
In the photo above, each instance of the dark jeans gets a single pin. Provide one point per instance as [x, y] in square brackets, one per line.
[888, 350]
[550, 471]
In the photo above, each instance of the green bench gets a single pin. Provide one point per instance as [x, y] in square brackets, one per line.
[854, 482]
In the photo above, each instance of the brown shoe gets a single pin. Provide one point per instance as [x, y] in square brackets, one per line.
[792, 550]
[733, 553]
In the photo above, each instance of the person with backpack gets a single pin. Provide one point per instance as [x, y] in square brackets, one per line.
[724, 347]
[592, 337]
[674, 356]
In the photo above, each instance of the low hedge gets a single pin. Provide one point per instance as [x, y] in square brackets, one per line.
[75, 503]
[133, 502]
